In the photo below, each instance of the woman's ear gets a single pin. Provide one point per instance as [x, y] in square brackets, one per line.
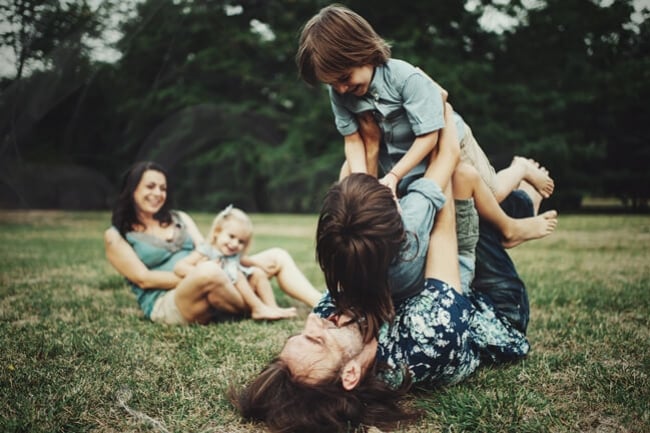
[351, 374]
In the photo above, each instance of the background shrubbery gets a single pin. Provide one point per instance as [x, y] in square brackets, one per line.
[210, 90]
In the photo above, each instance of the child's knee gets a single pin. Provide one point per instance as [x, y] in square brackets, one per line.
[465, 173]
[256, 275]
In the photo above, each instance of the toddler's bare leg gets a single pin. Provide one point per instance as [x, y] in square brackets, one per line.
[294, 283]
[262, 287]
[259, 310]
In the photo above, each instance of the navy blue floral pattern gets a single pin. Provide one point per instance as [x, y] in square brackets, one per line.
[440, 336]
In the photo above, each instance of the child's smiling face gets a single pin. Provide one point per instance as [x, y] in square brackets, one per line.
[355, 80]
[232, 238]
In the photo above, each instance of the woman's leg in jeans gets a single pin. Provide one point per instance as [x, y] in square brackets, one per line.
[496, 275]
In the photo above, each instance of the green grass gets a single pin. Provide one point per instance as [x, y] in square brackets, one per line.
[77, 356]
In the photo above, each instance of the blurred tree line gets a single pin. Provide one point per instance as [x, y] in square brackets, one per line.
[209, 88]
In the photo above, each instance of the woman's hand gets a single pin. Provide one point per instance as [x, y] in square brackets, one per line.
[390, 180]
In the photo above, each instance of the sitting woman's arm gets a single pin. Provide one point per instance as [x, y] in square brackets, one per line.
[192, 229]
[186, 264]
[125, 261]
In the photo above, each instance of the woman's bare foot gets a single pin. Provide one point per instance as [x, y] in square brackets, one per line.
[266, 312]
[536, 175]
[525, 229]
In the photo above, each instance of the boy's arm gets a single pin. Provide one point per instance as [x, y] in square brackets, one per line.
[421, 149]
[371, 136]
[355, 153]
[443, 91]
[422, 146]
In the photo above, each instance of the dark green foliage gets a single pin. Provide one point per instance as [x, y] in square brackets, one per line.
[219, 103]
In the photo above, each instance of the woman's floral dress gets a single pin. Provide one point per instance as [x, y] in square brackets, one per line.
[440, 336]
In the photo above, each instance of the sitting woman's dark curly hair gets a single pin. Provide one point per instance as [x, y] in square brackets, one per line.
[124, 213]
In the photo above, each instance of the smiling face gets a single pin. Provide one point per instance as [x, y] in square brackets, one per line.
[232, 237]
[150, 194]
[355, 80]
[326, 348]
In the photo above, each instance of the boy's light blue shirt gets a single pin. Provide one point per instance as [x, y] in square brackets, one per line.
[405, 104]
[419, 207]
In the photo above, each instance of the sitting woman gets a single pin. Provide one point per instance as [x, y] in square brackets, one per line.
[147, 239]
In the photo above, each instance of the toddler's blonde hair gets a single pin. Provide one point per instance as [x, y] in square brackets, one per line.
[230, 213]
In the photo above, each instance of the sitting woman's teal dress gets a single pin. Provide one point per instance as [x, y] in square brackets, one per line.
[159, 255]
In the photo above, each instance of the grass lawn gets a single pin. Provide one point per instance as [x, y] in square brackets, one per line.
[77, 356]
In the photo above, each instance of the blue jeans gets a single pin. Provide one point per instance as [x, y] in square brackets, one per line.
[496, 276]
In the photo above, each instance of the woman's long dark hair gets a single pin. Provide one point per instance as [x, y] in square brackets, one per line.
[124, 215]
[286, 405]
[360, 233]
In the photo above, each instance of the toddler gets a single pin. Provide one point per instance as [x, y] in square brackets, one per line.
[227, 241]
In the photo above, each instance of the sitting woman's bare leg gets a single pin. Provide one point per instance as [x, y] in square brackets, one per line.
[206, 289]
[278, 263]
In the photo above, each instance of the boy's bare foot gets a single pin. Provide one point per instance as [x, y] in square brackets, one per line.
[525, 229]
[536, 175]
[265, 312]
